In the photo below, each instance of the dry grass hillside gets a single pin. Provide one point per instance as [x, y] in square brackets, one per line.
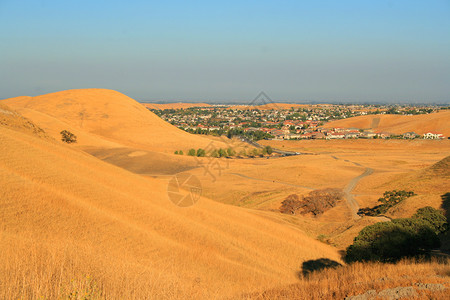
[407, 279]
[420, 124]
[104, 118]
[72, 226]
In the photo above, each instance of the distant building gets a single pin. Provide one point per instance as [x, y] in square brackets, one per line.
[433, 136]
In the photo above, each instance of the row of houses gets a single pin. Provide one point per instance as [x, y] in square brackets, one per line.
[332, 134]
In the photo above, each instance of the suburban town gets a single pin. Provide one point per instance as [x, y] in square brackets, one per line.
[281, 122]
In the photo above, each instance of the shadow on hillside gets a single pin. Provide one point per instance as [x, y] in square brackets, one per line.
[310, 266]
[445, 238]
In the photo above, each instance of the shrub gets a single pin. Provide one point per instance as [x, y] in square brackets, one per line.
[434, 218]
[316, 202]
[201, 152]
[68, 137]
[222, 152]
[215, 153]
[291, 204]
[268, 149]
[191, 152]
[391, 241]
[254, 152]
[176, 152]
[389, 199]
[231, 152]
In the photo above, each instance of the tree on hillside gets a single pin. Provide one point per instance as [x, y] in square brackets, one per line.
[391, 241]
[201, 152]
[191, 152]
[222, 152]
[68, 137]
[231, 152]
[435, 218]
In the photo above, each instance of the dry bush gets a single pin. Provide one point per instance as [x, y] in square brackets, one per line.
[316, 202]
[291, 204]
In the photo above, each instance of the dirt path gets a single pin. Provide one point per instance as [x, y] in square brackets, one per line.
[352, 203]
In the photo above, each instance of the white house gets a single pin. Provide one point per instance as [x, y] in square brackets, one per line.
[433, 135]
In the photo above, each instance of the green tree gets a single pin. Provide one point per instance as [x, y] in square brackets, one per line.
[181, 152]
[222, 152]
[434, 218]
[201, 152]
[191, 152]
[215, 153]
[391, 241]
[176, 152]
[231, 152]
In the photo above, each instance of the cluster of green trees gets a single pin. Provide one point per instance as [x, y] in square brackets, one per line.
[228, 152]
[223, 152]
[389, 199]
[391, 241]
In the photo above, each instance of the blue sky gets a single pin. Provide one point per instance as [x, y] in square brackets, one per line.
[353, 51]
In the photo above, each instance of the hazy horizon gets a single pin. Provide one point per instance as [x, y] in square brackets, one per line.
[295, 51]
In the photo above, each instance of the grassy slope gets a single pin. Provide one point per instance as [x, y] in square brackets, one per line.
[71, 222]
[359, 278]
[102, 117]
[437, 122]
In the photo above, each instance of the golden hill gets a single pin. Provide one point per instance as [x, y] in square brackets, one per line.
[179, 105]
[104, 118]
[398, 124]
[70, 223]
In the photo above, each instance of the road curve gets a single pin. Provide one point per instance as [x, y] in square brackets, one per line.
[352, 203]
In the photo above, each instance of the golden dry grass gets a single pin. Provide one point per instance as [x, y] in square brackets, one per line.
[398, 124]
[104, 118]
[70, 223]
[358, 278]
[66, 215]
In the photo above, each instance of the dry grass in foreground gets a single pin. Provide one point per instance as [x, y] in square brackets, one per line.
[358, 278]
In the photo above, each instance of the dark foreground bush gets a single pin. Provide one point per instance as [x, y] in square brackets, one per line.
[391, 241]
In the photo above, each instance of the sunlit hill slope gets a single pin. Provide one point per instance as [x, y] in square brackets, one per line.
[69, 221]
[104, 118]
[398, 124]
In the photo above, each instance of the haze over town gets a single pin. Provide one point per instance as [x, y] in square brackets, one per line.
[296, 51]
